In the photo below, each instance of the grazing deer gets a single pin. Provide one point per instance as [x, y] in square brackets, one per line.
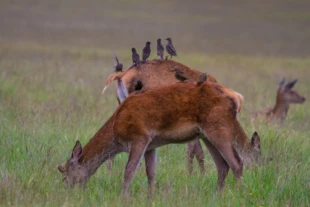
[158, 73]
[176, 113]
[285, 97]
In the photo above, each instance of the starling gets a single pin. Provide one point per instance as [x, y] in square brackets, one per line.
[202, 78]
[146, 51]
[160, 49]
[170, 49]
[117, 65]
[135, 57]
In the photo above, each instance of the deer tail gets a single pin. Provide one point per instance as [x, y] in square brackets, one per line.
[240, 100]
[237, 97]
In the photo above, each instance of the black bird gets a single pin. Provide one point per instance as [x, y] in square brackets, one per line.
[170, 49]
[202, 78]
[135, 57]
[146, 51]
[117, 65]
[160, 49]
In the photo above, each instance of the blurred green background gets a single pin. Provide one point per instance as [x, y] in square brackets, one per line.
[276, 27]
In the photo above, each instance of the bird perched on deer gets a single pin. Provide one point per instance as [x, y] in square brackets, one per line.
[117, 65]
[160, 49]
[135, 57]
[146, 51]
[170, 48]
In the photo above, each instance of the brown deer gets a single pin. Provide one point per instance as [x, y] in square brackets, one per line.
[158, 73]
[285, 97]
[175, 113]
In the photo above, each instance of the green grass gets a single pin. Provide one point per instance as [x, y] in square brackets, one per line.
[54, 58]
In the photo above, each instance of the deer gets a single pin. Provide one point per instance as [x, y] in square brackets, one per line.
[156, 73]
[170, 114]
[285, 97]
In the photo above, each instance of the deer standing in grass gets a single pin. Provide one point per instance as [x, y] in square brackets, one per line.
[158, 73]
[176, 113]
[285, 97]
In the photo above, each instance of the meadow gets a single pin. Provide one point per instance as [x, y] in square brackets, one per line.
[54, 58]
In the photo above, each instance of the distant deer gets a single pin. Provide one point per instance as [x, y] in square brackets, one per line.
[285, 97]
[158, 73]
[175, 113]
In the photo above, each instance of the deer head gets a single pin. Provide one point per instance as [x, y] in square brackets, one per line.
[73, 172]
[287, 95]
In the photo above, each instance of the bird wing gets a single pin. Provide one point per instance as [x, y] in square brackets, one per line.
[144, 53]
[173, 49]
[158, 49]
[136, 58]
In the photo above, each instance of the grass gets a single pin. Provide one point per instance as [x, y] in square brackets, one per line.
[50, 96]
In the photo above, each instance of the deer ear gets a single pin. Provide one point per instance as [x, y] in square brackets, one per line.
[76, 152]
[255, 141]
[121, 89]
[291, 84]
[61, 169]
[281, 83]
[202, 78]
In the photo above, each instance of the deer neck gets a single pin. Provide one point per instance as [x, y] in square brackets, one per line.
[100, 148]
[280, 109]
[242, 143]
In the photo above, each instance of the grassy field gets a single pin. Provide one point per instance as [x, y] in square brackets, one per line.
[54, 58]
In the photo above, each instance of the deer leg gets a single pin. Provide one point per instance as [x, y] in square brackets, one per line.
[232, 158]
[223, 142]
[150, 164]
[110, 164]
[220, 163]
[190, 156]
[199, 155]
[135, 155]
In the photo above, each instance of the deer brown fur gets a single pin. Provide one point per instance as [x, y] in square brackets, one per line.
[176, 113]
[285, 96]
[158, 73]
